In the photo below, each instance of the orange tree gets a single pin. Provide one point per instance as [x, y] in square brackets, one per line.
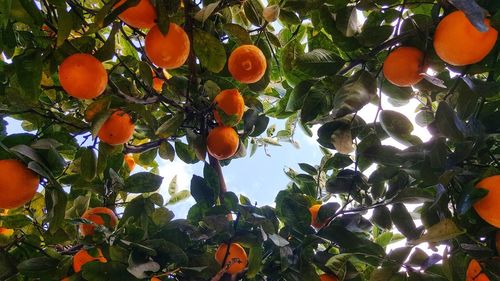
[102, 86]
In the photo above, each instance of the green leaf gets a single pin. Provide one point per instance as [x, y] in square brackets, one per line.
[28, 67]
[298, 95]
[212, 178]
[254, 261]
[172, 187]
[166, 151]
[203, 14]
[237, 33]
[142, 182]
[403, 221]
[375, 35]
[398, 127]
[55, 201]
[110, 271]
[107, 51]
[36, 266]
[444, 230]
[170, 127]
[447, 123]
[308, 168]
[15, 221]
[179, 196]
[209, 51]
[356, 92]
[353, 243]
[64, 25]
[253, 10]
[186, 153]
[99, 120]
[319, 63]
[382, 217]
[200, 190]
[7, 267]
[88, 164]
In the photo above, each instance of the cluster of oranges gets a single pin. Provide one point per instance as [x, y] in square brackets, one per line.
[84, 77]
[456, 41]
[98, 216]
[247, 64]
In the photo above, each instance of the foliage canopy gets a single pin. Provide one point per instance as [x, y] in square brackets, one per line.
[324, 64]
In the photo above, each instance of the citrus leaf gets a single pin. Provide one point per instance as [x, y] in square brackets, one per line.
[443, 230]
[142, 182]
[209, 51]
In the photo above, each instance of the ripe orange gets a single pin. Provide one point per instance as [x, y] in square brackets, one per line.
[6, 231]
[155, 279]
[83, 76]
[83, 256]
[222, 142]
[158, 84]
[100, 216]
[129, 161]
[236, 260]
[458, 42]
[403, 66]
[247, 64]
[143, 15]
[167, 51]
[118, 129]
[488, 207]
[231, 103]
[314, 210]
[18, 184]
[474, 272]
[328, 277]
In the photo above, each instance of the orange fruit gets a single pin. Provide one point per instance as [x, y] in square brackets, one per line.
[157, 82]
[18, 184]
[129, 161]
[231, 103]
[83, 256]
[328, 277]
[222, 142]
[488, 207]
[100, 216]
[6, 231]
[83, 76]
[458, 42]
[65, 279]
[118, 129]
[403, 66]
[474, 272]
[314, 210]
[167, 51]
[142, 15]
[236, 260]
[247, 64]
[155, 279]
[48, 30]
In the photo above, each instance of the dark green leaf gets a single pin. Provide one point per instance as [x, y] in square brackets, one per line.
[142, 182]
